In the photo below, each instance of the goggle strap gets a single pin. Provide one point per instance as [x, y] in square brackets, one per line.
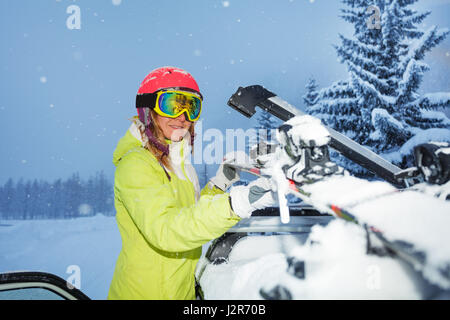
[146, 100]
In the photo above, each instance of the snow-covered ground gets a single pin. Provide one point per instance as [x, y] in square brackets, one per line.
[85, 247]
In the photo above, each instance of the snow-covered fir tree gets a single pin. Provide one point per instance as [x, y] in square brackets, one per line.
[379, 105]
[310, 98]
[266, 124]
[262, 132]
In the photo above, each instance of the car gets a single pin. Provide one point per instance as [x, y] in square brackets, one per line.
[314, 256]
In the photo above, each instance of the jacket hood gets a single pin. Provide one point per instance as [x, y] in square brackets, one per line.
[125, 144]
[132, 139]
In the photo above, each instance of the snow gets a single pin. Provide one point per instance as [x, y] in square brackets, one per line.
[242, 279]
[423, 136]
[57, 246]
[340, 186]
[307, 130]
[435, 115]
[336, 267]
[385, 124]
[388, 100]
[378, 114]
[410, 216]
[437, 98]
[412, 225]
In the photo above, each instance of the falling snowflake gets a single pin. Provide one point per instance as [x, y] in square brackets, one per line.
[85, 209]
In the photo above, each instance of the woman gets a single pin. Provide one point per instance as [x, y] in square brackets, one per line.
[162, 215]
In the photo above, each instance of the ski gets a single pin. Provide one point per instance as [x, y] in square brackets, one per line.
[245, 99]
[402, 249]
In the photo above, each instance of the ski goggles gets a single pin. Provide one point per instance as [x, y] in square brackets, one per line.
[172, 103]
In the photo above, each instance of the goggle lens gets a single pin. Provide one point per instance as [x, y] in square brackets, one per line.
[173, 104]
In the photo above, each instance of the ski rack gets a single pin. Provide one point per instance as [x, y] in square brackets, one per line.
[264, 224]
[245, 99]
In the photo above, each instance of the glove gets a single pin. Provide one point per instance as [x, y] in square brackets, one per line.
[227, 175]
[258, 194]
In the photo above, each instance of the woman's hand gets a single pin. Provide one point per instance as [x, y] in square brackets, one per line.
[227, 175]
[259, 194]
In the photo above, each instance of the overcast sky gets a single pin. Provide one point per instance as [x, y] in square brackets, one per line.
[67, 94]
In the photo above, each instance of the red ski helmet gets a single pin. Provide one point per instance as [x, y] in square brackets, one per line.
[168, 77]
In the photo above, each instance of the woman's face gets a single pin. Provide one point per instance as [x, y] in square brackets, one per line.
[173, 128]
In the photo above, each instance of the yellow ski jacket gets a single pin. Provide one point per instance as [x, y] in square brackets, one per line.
[163, 223]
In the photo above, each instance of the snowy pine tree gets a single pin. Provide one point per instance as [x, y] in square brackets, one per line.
[203, 176]
[310, 98]
[379, 106]
[265, 127]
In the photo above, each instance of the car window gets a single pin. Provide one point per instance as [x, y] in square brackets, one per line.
[34, 285]
[29, 294]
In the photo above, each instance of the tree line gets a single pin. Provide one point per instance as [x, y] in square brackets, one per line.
[61, 199]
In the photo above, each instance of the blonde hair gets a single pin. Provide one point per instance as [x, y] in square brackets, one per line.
[158, 134]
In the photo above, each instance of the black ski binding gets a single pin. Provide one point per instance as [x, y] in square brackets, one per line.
[310, 162]
[276, 293]
[296, 267]
[433, 161]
